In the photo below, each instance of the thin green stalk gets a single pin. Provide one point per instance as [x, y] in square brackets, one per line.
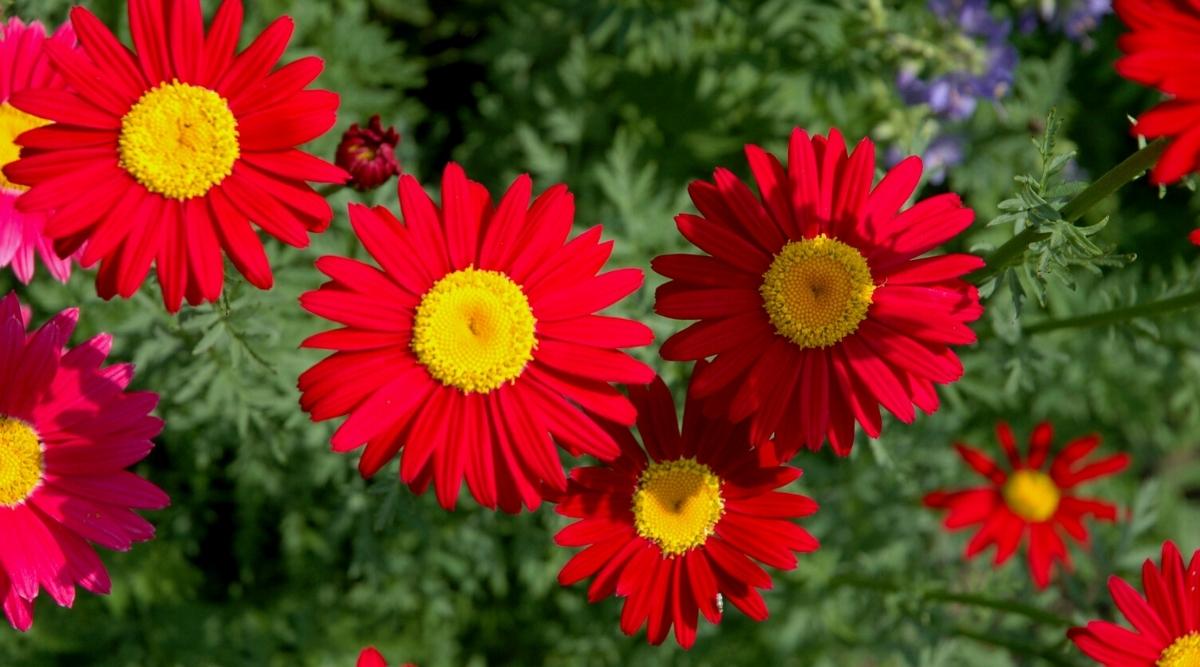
[1012, 250]
[1116, 178]
[1117, 315]
[971, 600]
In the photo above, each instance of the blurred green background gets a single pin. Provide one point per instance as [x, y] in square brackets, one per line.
[276, 553]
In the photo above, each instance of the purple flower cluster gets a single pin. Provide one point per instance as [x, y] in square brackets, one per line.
[1074, 18]
[942, 153]
[954, 94]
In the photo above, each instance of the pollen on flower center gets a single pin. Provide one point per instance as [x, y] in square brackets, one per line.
[179, 140]
[474, 330]
[13, 123]
[1031, 495]
[677, 505]
[817, 291]
[21, 462]
[1184, 652]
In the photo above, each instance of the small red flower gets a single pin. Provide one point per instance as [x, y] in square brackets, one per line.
[369, 154]
[675, 532]
[1166, 620]
[816, 299]
[1162, 50]
[1028, 501]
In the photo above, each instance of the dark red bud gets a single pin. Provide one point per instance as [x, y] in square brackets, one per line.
[369, 154]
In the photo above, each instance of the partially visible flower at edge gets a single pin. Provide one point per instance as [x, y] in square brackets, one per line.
[1166, 620]
[371, 657]
[1161, 51]
[25, 66]
[68, 431]
[369, 154]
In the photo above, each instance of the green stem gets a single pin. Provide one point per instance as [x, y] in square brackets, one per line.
[1117, 315]
[1125, 172]
[1116, 178]
[941, 595]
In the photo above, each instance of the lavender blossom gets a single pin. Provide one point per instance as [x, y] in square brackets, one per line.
[1074, 18]
[955, 94]
[944, 152]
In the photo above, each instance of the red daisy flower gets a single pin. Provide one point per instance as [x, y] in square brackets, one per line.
[1166, 620]
[68, 430]
[812, 300]
[24, 65]
[166, 155]
[371, 657]
[1028, 501]
[1163, 50]
[676, 532]
[475, 342]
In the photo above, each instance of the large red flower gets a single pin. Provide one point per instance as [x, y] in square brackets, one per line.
[68, 430]
[168, 154]
[1163, 50]
[1166, 620]
[474, 342]
[675, 532]
[812, 298]
[1028, 502]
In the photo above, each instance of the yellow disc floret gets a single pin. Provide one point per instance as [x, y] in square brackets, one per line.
[1031, 495]
[21, 462]
[474, 330]
[179, 140]
[677, 505]
[1184, 652]
[817, 291]
[14, 123]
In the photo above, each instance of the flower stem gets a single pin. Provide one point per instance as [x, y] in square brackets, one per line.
[1117, 315]
[942, 595]
[1128, 170]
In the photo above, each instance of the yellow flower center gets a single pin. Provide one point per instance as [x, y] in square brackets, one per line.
[677, 505]
[474, 330]
[20, 461]
[14, 123]
[1031, 495]
[817, 291]
[179, 140]
[1184, 652]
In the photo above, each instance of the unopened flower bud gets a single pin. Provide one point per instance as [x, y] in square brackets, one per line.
[369, 154]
